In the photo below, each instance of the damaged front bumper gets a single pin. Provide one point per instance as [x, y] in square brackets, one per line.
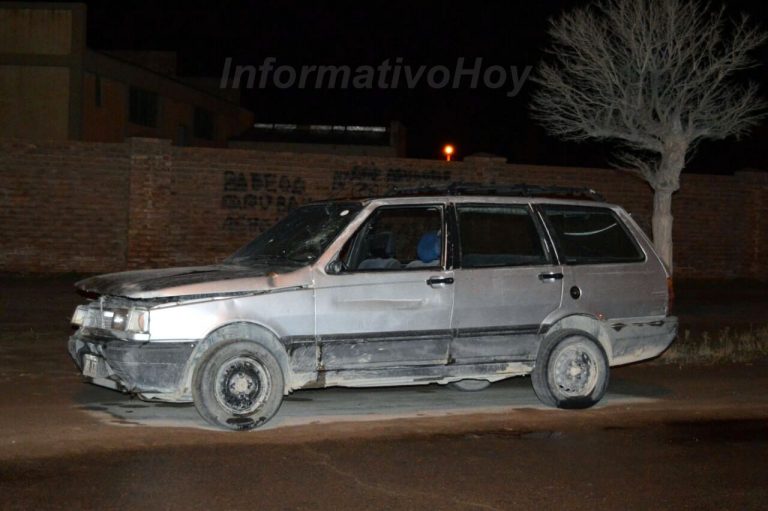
[151, 370]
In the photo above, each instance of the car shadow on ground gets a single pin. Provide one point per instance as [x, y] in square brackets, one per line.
[338, 404]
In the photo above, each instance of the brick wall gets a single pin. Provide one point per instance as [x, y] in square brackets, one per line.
[91, 207]
[63, 206]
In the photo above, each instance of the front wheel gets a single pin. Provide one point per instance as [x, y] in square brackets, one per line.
[571, 371]
[238, 385]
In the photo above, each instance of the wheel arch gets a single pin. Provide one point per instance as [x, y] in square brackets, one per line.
[241, 331]
[587, 324]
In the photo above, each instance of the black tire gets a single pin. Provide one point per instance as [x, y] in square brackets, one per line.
[571, 370]
[470, 385]
[238, 385]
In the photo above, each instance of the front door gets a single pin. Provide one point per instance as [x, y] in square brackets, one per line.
[391, 305]
[506, 284]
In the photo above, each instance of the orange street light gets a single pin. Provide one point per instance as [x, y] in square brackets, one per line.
[448, 152]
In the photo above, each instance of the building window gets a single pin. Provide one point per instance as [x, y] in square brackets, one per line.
[97, 90]
[182, 138]
[142, 107]
[203, 124]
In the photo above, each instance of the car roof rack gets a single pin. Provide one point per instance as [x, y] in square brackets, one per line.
[516, 190]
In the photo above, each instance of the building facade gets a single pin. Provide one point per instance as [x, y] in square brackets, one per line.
[53, 87]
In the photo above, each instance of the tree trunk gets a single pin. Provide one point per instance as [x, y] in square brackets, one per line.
[662, 225]
[666, 183]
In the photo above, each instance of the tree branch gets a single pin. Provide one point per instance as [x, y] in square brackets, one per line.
[656, 76]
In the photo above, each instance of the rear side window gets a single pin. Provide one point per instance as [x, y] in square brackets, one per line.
[498, 235]
[587, 235]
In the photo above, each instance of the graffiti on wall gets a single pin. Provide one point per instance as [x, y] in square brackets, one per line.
[254, 200]
[362, 181]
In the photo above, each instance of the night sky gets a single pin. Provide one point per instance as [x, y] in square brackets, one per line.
[357, 33]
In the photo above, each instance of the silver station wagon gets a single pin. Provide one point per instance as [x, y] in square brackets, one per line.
[461, 285]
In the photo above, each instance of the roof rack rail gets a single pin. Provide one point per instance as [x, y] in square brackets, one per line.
[516, 190]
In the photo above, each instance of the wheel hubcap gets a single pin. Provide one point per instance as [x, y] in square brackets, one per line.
[575, 371]
[242, 385]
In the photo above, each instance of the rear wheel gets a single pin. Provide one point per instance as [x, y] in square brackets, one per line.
[571, 371]
[238, 385]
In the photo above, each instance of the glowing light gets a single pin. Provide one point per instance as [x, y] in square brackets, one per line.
[448, 151]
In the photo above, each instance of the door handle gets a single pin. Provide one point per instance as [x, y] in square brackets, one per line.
[435, 281]
[549, 277]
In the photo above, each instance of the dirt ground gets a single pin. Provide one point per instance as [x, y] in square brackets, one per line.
[668, 437]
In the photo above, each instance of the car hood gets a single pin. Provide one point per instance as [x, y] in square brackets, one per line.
[194, 280]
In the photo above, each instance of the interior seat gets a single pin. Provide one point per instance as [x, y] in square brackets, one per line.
[427, 251]
[381, 253]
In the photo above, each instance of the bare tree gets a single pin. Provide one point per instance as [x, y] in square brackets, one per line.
[655, 77]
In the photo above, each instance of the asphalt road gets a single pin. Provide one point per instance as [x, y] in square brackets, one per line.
[663, 438]
[681, 465]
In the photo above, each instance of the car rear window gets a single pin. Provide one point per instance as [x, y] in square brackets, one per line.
[588, 235]
[498, 235]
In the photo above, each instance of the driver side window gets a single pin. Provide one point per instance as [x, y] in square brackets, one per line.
[397, 238]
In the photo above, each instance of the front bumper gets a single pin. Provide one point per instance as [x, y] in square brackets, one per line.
[640, 340]
[152, 370]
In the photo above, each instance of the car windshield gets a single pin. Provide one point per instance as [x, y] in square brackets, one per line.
[301, 237]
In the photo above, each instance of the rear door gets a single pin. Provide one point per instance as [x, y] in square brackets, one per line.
[507, 283]
[613, 275]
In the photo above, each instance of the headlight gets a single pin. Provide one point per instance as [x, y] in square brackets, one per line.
[78, 318]
[131, 320]
[119, 318]
[138, 321]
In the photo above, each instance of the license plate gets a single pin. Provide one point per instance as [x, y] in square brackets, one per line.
[94, 366]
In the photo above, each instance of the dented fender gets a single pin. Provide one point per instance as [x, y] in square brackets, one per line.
[624, 340]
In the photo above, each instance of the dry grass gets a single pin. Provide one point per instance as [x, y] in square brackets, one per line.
[725, 345]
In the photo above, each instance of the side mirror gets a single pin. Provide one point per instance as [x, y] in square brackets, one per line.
[335, 267]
